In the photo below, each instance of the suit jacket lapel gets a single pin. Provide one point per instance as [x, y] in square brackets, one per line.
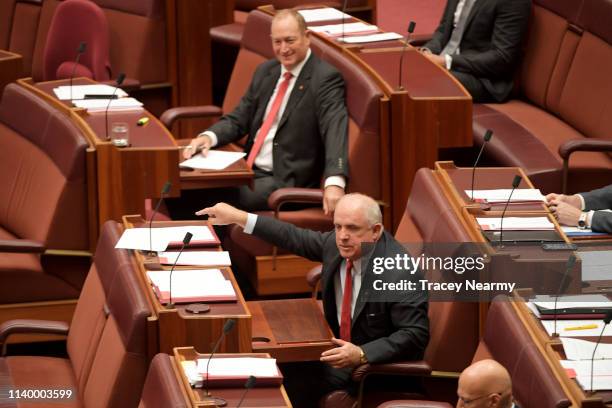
[267, 88]
[475, 7]
[367, 277]
[301, 84]
[329, 294]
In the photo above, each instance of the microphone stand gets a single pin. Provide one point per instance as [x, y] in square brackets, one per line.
[487, 137]
[515, 183]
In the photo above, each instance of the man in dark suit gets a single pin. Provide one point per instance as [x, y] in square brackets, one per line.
[369, 325]
[584, 210]
[296, 121]
[480, 41]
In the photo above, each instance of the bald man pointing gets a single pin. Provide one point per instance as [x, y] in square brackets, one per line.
[485, 383]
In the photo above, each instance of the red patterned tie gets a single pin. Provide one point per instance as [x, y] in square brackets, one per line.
[265, 128]
[347, 297]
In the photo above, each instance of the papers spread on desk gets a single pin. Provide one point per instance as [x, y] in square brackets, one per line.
[362, 39]
[520, 195]
[192, 285]
[516, 223]
[199, 258]
[576, 328]
[576, 349]
[158, 239]
[595, 301]
[602, 369]
[79, 91]
[99, 105]
[214, 160]
[340, 29]
[323, 14]
[596, 265]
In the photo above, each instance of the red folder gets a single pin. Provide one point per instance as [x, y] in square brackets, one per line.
[198, 243]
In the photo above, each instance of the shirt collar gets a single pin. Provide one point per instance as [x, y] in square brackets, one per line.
[298, 68]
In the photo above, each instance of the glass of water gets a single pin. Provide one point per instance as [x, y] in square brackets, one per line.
[120, 136]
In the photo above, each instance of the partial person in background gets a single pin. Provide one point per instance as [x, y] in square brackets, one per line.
[584, 210]
[479, 42]
[485, 384]
[295, 116]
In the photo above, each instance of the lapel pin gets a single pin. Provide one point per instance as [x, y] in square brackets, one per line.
[301, 87]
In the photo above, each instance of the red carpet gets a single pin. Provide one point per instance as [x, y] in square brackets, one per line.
[394, 15]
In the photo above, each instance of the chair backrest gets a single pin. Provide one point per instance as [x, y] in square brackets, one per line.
[43, 172]
[161, 388]
[107, 343]
[77, 21]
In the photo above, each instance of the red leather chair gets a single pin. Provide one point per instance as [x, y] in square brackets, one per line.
[77, 21]
[162, 388]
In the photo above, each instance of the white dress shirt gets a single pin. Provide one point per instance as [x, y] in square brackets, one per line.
[447, 58]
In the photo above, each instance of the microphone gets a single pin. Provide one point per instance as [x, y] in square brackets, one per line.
[568, 267]
[165, 190]
[186, 240]
[80, 51]
[250, 383]
[488, 135]
[343, 16]
[227, 327]
[411, 26]
[119, 81]
[606, 321]
[515, 184]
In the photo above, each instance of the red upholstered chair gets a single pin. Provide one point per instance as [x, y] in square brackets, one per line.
[77, 21]
[106, 341]
[162, 388]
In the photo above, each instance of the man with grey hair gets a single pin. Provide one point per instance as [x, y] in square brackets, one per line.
[368, 326]
[295, 117]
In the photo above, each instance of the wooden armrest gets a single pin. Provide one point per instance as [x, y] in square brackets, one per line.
[189, 112]
[30, 326]
[294, 195]
[589, 144]
[417, 368]
[414, 404]
[21, 245]
[314, 276]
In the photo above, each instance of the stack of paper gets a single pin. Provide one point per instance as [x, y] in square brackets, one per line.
[341, 29]
[523, 195]
[79, 91]
[214, 160]
[576, 349]
[235, 371]
[192, 285]
[323, 14]
[200, 258]
[158, 239]
[516, 224]
[99, 105]
[602, 369]
[361, 39]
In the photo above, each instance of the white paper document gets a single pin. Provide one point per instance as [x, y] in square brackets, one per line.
[323, 14]
[99, 105]
[192, 285]
[158, 239]
[239, 367]
[576, 349]
[594, 301]
[602, 370]
[361, 39]
[200, 258]
[576, 328]
[516, 224]
[501, 195]
[138, 238]
[596, 265]
[214, 160]
[79, 91]
[340, 29]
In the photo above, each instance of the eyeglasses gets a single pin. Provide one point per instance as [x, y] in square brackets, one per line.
[466, 402]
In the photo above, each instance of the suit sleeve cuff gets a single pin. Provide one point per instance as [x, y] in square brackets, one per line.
[212, 136]
[589, 218]
[250, 223]
[449, 61]
[335, 181]
[582, 204]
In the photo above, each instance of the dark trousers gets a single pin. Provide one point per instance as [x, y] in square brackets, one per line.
[480, 94]
[190, 201]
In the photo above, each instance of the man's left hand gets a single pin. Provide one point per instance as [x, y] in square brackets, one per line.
[566, 214]
[437, 59]
[345, 355]
[331, 195]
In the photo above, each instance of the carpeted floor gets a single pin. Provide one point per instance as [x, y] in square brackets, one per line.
[394, 15]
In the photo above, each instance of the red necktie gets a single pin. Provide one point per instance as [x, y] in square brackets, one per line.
[265, 128]
[347, 297]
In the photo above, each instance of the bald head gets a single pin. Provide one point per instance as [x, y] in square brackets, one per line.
[485, 383]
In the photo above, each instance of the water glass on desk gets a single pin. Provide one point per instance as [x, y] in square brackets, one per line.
[120, 136]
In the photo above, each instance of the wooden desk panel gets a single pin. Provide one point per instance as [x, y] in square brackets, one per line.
[11, 68]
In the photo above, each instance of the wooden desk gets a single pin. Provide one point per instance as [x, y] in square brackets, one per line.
[268, 397]
[290, 330]
[177, 327]
[11, 68]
